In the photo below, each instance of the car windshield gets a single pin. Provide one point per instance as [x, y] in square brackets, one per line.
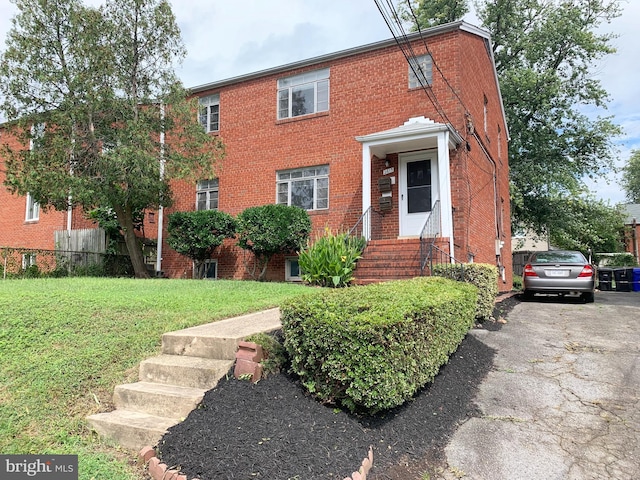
[558, 257]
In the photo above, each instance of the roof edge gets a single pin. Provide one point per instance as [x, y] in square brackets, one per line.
[429, 32]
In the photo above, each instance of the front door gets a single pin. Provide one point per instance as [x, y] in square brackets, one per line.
[418, 189]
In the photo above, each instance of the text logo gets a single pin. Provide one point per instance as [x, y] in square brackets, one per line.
[43, 467]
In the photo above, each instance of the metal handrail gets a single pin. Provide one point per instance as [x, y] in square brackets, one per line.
[365, 222]
[430, 229]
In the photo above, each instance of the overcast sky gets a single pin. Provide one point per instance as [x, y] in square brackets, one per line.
[226, 38]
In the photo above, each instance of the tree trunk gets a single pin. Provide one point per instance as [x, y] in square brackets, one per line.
[125, 219]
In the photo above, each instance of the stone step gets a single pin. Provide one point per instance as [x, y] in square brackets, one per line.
[219, 339]
[195, 372]
[157, 399]
[129, 429]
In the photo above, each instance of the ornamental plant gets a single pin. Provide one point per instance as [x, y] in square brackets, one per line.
[331, 260]
[270, 229]
[197, 234]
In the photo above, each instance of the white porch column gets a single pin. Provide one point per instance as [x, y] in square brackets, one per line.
[444, 174]
[366, 186]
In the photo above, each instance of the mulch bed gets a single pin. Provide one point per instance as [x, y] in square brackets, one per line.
[274, 430]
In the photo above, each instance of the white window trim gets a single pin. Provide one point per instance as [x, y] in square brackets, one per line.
[206, 103]
[208, 191]
[309, 78]
[28, 260]
[32, 213]
[287, 270]
[315, 178]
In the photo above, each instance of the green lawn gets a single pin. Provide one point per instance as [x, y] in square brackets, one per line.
[65, 344]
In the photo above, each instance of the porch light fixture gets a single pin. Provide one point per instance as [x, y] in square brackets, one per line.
[386, 163]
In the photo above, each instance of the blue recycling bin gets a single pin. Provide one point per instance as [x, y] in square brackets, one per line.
[635, 284]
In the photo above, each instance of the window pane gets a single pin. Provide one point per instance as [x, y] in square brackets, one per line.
[202, 201]
[302, 100]
[294, 268]
[213, 200]
[302, 194]
[323, 96]
[419, 199]
[283, 193]
[283, 104]
[419, 173]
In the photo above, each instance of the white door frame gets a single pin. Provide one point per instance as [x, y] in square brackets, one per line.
[411, 223]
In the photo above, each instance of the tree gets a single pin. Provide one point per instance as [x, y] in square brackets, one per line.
[429, 13]
[585, 223]
[631, 177]
[102, 83]
[544, 52]
[197, 234]
[270, 229]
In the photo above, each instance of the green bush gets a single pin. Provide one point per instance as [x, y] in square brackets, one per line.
[517, 282]
[270, 229]
[482, 275]
[618, 260]
[331, 259]
[371, 348]
[197, 234]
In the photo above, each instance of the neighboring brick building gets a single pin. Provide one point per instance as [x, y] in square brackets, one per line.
[632, 230]
[354, 133]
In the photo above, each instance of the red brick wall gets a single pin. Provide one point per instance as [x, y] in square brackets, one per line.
[368, 93]
[15, 231]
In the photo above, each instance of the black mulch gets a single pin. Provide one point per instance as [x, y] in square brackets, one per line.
[273, 430]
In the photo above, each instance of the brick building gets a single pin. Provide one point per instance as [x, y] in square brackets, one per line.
[396, 147]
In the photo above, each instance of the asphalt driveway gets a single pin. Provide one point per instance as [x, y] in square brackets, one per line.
[563, 398]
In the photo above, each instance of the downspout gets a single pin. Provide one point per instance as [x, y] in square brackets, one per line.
[161, 209]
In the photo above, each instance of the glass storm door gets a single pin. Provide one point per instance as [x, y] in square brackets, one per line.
[417, 178]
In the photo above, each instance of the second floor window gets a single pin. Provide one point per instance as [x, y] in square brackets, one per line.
[303, 94]
[420, 71]
[207, 195]
[210, 112]
[307, 188]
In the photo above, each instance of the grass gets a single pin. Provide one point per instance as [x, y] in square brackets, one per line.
[65, 344]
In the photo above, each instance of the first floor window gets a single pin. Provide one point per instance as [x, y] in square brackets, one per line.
[292, 270]
[33, 209]
[306, 188]
[28, 260]
[210, 112]
[207, 195]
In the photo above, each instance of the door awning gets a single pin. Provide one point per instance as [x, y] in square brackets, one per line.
[417, 133]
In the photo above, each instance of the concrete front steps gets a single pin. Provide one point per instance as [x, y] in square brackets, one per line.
[171, 385]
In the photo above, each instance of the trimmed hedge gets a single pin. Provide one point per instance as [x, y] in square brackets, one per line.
[482, 275]
[371, 348]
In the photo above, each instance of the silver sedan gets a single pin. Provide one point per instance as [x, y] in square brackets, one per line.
[559, 272]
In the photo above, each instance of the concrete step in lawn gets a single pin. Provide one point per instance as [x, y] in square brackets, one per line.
[171, 401]
[173, 384]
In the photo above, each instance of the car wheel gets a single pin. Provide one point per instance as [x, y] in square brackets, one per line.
[588, 297]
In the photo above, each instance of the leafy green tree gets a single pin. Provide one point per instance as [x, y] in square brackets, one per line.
[270, 229]
[197, 234]
[585, 223]
[429, 13]
[102, 83]
[631, 177]
[544, 52]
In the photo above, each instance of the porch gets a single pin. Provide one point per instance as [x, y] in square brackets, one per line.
[406, 201]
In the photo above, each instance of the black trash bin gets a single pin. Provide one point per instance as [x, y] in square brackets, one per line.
[623, 278]
[605, 277]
